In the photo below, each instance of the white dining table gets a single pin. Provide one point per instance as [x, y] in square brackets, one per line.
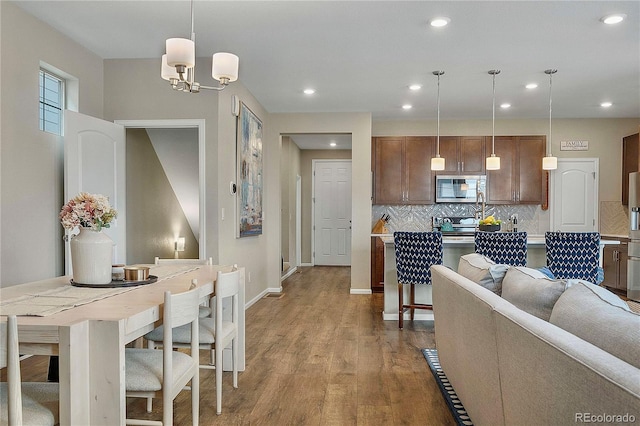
[90, 340]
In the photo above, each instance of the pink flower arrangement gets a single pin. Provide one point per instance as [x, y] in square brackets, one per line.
[87, 211]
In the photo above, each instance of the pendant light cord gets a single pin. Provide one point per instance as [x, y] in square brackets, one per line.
[493, 125]
[549, 141]
[438, 127]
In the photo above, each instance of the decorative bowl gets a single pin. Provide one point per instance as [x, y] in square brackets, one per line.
[136, 273]
[489, 228]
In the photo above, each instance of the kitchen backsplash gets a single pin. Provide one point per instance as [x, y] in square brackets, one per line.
[614, 217]
[531, 219]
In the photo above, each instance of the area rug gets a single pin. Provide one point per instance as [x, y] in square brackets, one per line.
[457, 409]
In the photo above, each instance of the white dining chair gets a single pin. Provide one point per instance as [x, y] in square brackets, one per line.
[152, 373]
[205, 305]
[215, 334]
[29, 403]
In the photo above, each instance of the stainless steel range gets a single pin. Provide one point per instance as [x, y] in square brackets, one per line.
[455, 225]
[633, 266]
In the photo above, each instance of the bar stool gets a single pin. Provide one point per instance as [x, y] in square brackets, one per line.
[506, 248]
[415, 253]
[574, 255]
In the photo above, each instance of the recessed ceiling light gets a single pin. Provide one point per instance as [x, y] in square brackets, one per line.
[613, 19]
[406, 106]
[505, 105]
[332, 144]
[439, 22]
[531, 85]
[309, 91]
[606, 104]
[415, 87]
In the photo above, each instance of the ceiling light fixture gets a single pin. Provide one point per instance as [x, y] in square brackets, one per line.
[613, 19]
[309, 91]
[179, 64]
[606, 104]
[549, 162]
[505, 105]
[531, 86]
[437, 162]
[439, 22]
[493, 162]
[332, 144]
[406, 106]
[415, 87]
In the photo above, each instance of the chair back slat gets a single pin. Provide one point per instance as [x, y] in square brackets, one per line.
[506, 248]
[415, 253]
[573, 255]
[184, 307]
[227, 284]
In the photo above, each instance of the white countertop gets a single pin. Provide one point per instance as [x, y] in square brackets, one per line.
[532, 240]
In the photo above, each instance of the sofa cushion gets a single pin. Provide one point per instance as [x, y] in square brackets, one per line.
[482, 270]
[601, 318]
[532, 291]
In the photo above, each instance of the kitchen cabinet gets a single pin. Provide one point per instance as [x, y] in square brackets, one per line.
[614, 261]
[402, 170]
[630, 163]
[520, 178]
[377, 265]
[463, 155]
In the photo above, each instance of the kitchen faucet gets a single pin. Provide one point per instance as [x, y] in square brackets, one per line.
[480, 196]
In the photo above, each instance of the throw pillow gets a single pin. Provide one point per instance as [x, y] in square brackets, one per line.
[532, 291]
[482, 270]
[601, 318]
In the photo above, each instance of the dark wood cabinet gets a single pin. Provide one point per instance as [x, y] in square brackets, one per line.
[630, 163]
[463, 155]
[377, 265]
[614, 261]
[520, 178]
[402, 170]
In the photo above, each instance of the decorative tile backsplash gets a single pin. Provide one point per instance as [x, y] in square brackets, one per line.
[614, 218]
[418, 218]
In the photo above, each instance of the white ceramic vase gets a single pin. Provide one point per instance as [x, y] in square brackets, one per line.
[91, 257]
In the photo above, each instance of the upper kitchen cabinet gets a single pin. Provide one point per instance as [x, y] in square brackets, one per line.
[630, 163]
[520, 178]
[402, 170]
[463, 155]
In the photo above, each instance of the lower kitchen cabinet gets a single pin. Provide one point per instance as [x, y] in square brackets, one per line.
[614, 261]
[377, 265]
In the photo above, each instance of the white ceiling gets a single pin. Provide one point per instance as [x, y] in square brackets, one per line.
[360, 56]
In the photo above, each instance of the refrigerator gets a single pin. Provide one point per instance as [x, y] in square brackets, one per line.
[633, 267]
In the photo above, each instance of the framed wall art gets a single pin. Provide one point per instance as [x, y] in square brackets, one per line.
[249, 149]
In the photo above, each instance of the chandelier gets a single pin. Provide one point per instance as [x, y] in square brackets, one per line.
[179, 64]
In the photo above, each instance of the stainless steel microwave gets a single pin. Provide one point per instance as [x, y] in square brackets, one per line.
[459, 189]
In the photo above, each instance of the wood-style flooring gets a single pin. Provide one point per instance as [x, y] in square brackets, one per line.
[317, 355]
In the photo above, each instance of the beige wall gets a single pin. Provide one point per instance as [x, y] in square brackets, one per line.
[306, 170]
[154, 214]
[604, 136]
[31, 160]
[289, 170]
[359, 126]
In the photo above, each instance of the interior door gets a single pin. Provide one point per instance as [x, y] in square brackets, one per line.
[94, 162]
[332, 212]
[575, 195]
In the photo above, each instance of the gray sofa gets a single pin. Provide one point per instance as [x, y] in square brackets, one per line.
[511, 367]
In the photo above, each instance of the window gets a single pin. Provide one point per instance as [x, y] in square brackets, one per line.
[51, 102]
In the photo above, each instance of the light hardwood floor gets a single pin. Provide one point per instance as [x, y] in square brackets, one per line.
[317, 356]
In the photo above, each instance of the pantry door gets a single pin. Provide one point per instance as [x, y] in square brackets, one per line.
[332, 212]
[575, 195]
[94, 162]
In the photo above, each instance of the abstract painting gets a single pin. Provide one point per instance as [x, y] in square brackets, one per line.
[250, 173]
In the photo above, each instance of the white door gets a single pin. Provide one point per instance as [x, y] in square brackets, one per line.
[575, 195]
[94, 162]
[332, 212]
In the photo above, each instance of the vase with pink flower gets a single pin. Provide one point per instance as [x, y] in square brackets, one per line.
[91, 249]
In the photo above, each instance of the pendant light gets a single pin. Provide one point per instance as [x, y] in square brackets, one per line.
[549, 162]
[493, 162]
[437, 162]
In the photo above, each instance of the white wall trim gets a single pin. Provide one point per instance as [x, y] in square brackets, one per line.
[360, 291]
[290, 272]
[262, 294]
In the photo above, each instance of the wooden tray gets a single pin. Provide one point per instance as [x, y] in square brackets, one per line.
[114, 284]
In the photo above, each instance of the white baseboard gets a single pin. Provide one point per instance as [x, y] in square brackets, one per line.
[263, 293]
[306, 264]
[427, 316]
[360, 291]
[290, 272]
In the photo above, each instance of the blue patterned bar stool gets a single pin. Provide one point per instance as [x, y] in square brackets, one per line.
[506, 248]
[415, 253]
[573, 255]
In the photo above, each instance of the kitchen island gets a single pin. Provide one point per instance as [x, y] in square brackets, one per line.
[453, 248]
